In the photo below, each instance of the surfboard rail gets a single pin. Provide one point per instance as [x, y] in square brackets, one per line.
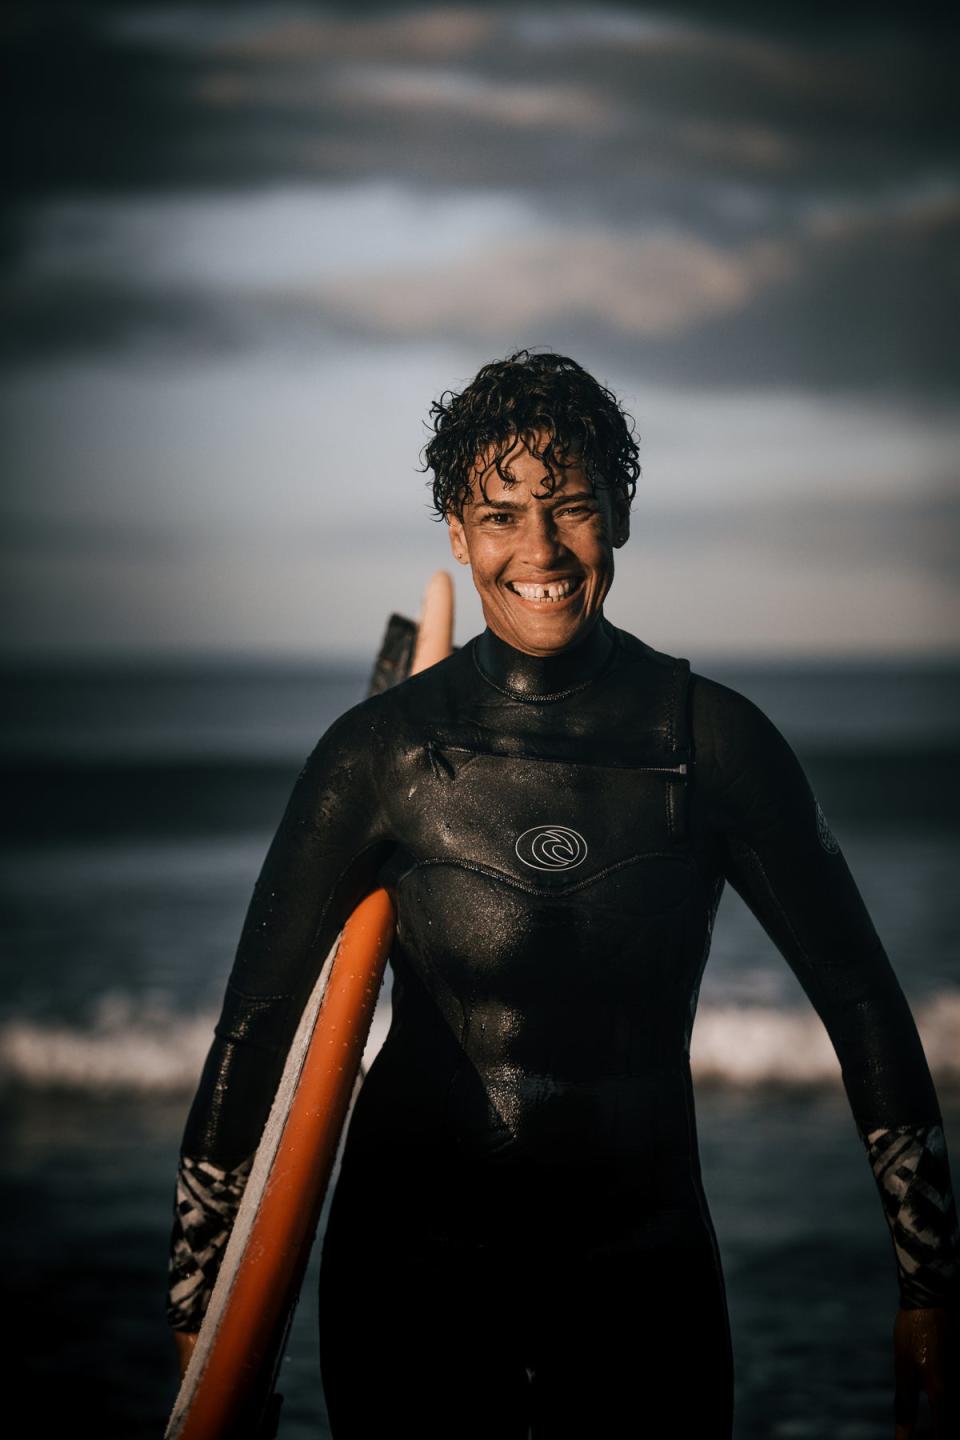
[281, 1204]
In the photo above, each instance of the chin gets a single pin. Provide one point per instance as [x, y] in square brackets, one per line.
[546, 634]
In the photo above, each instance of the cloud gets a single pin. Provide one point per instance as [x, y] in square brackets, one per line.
[856, 292]
[297, 34]
[258, 94]
[258, 241]
[244, 246]
[869, 301]
[714, 199]
[518, 104]
[651, 282]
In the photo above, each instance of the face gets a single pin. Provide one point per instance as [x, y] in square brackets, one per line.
[542, 564]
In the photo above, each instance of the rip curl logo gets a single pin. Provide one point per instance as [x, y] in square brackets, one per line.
[825, 834]
[551, 847]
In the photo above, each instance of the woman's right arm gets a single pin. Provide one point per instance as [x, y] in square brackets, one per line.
[324, 858]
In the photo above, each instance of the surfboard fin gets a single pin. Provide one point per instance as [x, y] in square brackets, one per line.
[395, 655]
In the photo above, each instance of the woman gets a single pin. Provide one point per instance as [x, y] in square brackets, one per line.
[519, 1236]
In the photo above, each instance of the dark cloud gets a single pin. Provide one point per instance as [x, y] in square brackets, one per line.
[854, 300]
[873, 305]
[77, 316]
[733, 126]
[118, 96]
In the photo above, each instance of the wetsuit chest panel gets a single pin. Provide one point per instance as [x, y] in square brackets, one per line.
[631, 944]
[546, 825]
[549, 1021]
[551, 879]
[597, 910]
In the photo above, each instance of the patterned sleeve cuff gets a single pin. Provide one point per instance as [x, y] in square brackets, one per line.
[912, 1173]
[207, 1200]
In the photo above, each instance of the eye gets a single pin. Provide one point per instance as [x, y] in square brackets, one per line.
[495, 517]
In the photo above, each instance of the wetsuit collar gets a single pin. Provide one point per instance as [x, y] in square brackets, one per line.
[544, 677]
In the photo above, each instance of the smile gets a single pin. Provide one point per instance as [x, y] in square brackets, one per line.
[550, 593]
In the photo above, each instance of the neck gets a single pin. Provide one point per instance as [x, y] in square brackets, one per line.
[544, 677]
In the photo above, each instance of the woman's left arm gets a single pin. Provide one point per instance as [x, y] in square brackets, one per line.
[782, 858]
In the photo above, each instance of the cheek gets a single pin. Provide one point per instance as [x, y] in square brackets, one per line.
[488, 553]
[480, 568]
[597, 552]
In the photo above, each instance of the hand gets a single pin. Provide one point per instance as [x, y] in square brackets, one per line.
[925, 1346]
[184, 1341]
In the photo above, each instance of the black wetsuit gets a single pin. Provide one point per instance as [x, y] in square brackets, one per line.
[519, 1233]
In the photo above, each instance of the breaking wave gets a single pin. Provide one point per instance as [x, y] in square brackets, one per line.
[755, 1045]
[149, 1048]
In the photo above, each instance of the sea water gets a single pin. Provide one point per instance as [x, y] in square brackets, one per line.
[139, 805]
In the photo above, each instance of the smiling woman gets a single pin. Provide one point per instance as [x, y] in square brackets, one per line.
[542, 562]
[555, 810]
[539, 507]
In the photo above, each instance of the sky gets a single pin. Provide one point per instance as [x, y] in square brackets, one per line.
[244, 247]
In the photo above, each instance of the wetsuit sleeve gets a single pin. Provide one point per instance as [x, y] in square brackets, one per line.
[323, 859]
[779, 854]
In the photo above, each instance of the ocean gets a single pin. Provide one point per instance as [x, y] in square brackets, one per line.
[139, 804]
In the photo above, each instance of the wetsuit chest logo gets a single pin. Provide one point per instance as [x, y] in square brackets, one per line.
[551, 847]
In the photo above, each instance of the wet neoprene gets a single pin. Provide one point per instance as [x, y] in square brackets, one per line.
[556, 834]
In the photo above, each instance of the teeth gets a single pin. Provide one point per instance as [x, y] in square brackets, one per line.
[556, 590]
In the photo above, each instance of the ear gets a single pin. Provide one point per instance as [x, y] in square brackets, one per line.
[621, 528]
[458, 540]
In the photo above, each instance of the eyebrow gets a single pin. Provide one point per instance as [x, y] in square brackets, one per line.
[522, 504]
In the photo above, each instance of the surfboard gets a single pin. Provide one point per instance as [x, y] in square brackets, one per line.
[226, 1392]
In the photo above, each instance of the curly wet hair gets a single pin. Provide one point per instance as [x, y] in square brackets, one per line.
[530, 394]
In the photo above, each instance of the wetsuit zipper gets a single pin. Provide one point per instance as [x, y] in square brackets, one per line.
[435, 752]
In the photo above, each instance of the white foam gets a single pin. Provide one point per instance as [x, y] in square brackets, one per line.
[146, 1047]
[126, 1047]
[754, 1045]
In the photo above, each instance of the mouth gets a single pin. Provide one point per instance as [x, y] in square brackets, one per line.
[551, 592]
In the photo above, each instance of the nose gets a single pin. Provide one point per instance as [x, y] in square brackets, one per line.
[542, 544]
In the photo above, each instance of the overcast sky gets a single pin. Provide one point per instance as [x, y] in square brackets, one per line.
[244, 247]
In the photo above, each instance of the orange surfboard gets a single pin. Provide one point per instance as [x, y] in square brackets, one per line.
[227, 1387]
